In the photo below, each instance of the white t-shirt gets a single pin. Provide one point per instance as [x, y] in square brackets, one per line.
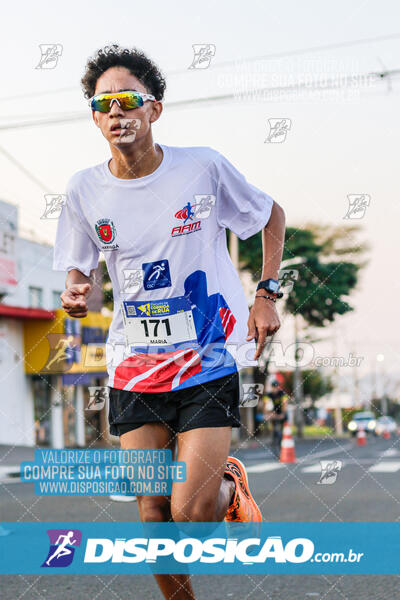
[180, 313]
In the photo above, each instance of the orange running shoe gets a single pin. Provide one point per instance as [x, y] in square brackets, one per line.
[243, 507]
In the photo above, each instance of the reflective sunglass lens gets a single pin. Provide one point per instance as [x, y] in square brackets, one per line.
[128, 101]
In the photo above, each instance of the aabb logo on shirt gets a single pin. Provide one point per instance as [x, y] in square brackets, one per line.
[192, 213]
[187, 215]
[105, 230]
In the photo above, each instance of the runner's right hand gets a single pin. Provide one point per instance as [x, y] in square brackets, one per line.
[73, 300]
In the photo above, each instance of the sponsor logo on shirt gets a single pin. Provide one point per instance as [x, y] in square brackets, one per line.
[184, 229]
[156, 274]
[106, 232]
[155, 308]
[191, 214]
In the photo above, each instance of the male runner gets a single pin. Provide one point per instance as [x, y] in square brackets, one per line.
[176, 343]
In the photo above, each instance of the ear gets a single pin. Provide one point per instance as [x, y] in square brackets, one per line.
[95, 118]
[157, 109]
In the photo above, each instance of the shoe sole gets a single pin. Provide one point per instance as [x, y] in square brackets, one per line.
[244, 477]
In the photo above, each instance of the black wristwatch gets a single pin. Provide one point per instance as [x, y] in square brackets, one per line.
[272, 286]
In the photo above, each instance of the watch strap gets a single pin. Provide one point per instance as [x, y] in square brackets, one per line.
[263, 285]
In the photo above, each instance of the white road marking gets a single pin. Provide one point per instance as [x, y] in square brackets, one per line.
[263, 467]
[385, 467]
[7, 480]
[5, 474]
[272, 465]
[5, 471]
[327, 452]
[314, 468]
[355, 462]
[390, 452]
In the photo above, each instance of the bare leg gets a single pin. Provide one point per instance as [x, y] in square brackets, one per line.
[158, 508]
[206, 493]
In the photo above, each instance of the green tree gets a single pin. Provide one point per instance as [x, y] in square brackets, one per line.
[108, 296]
[326, 276]
[315, 383]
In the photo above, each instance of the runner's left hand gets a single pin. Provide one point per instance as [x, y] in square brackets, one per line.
[263, 321]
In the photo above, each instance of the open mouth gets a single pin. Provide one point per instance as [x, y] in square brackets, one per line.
[125, 130]
[119, 127]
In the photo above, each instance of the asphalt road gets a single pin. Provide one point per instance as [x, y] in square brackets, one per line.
[367, 488]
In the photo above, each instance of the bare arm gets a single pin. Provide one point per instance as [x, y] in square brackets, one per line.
[263, 319]
[77, 290]
[273, 238]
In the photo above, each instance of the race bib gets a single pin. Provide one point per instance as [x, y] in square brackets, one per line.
[159, 322]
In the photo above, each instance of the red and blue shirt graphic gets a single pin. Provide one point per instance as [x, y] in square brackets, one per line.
[163, 370]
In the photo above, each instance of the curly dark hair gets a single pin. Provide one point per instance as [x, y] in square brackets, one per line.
[133, 59]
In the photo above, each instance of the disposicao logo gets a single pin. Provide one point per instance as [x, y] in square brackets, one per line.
[62, 547]
[191, 550]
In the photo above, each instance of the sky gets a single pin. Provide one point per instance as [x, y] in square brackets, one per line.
[338, 143]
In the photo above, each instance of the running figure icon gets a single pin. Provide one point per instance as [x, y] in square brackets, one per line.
[157, 269]
[189, 212]
[62, 549]
[61, 351]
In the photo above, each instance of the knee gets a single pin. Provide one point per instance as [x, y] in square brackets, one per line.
[154, 511]
[197, 511]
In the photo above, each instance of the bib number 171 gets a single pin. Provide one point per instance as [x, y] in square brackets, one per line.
[159, 323]
[147, 323]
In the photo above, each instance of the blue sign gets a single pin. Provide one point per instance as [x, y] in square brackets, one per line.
[72, 348]
[93, 335]
[213, 548]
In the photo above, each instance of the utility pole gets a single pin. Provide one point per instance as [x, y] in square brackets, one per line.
[298, 384]
[338, 409]
[381, 375]
[356, 383]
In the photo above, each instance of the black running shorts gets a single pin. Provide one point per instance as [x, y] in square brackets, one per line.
[212, 404]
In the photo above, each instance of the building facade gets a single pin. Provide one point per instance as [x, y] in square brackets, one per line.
[46, 405]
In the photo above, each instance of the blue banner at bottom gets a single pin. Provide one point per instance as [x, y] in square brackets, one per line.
[213, 548]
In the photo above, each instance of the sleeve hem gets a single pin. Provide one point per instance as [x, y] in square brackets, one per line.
[255, 228]
[67, 268]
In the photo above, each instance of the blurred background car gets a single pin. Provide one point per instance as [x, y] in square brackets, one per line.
[362, 420]
[384, 424]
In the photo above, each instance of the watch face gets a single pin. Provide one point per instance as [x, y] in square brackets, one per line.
[273, 285]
